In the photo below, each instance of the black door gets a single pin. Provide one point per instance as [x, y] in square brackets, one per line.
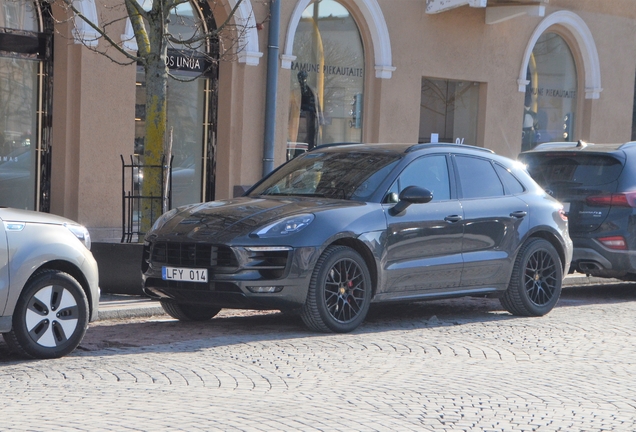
[424, 243]
[493, 219]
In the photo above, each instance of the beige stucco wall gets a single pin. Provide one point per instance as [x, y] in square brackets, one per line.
[610, 116]
[93, 111]
[101, 114]
[459, 45]
[93, 124]
[240, 126]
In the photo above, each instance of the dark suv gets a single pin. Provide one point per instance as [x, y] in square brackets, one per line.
[597, 185]
[340, 227]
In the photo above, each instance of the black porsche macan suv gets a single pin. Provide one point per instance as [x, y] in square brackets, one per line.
[597, 185]
[343, 226]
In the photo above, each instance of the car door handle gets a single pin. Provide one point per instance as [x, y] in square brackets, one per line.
[519, 214]
[453, 218]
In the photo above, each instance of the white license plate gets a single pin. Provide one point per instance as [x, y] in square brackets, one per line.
[566, 207]
[184, 274]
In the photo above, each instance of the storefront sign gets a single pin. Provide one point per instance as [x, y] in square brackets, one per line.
[26, 45]
[566, 94]
[328, 69]
[191, 62]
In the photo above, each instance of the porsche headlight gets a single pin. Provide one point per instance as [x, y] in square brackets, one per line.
[286, 226]
[81, 233]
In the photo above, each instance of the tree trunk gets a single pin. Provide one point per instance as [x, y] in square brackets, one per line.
[156, 114]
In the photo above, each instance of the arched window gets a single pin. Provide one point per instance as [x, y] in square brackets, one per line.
[25, 54]
[191, 116]
[327, 79]
[550, 99]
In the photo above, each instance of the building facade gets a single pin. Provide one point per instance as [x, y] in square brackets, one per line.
[502, 74]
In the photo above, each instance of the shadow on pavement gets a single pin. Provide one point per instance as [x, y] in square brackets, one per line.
[230, 327]
[236, 327]
[598, 294]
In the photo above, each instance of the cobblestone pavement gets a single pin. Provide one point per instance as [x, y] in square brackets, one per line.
[459, 364]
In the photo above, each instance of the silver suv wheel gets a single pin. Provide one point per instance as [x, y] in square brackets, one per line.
[51, 316]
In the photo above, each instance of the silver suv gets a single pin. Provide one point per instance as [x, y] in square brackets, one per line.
[49, 287]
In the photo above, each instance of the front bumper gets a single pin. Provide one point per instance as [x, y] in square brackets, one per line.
[91, 272]
[239, 285]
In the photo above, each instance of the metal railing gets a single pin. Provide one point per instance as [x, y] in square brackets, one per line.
[134, 202]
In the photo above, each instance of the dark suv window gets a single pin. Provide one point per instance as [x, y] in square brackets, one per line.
[584, 181]
[478, 178]
[512, 185]
[430, 172]
[576, 169]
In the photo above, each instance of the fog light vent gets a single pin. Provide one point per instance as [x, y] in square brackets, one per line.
[265, 289]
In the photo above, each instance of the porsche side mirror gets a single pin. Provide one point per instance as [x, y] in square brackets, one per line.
[411, 195]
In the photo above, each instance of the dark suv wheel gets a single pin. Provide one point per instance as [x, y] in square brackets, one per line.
[339, 292]
[535, 285]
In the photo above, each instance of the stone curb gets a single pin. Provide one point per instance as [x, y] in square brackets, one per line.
[130, 312]
[113, 306]
[579, 279]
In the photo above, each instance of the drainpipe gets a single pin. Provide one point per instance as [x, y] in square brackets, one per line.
[272, 86]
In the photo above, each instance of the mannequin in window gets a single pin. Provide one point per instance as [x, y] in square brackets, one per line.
[308, 110]
[530, 125]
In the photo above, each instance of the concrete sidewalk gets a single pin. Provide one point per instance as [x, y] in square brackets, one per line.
[119, 306]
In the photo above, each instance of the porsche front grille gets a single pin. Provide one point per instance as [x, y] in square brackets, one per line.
[193, 255]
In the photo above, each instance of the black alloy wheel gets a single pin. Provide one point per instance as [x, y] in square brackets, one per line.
[535, 285]
[50, 318]
[339, 292]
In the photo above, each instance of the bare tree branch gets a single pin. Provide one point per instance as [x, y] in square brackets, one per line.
[137, 16]
[100, 31]
[152, 33]
[205, 35]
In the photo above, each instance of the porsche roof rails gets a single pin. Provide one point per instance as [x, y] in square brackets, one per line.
[337, 144]
[429, 145]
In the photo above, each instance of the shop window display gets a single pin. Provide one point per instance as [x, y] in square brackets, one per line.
[550, 101]
[186, 101]
[327, 77]
[634, 115]
[188, 96]
[449, 111]
[19, 94]
[18, 15]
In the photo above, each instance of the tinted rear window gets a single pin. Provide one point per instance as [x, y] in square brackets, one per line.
[579, 169]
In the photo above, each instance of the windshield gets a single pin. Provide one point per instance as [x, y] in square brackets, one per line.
[351, 175]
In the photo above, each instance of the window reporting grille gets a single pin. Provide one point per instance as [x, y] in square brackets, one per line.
[133, 201]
